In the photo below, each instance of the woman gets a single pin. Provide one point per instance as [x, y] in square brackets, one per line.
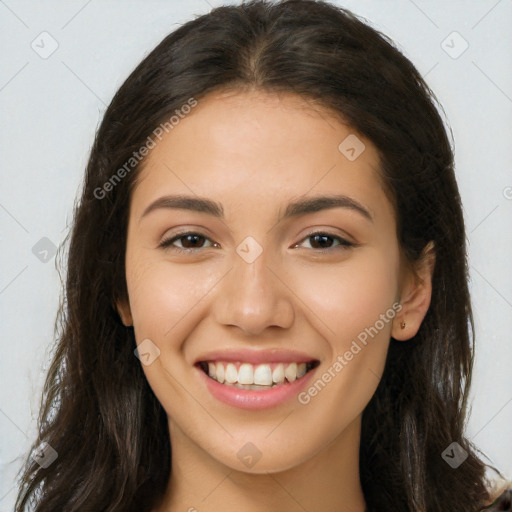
[266, 302]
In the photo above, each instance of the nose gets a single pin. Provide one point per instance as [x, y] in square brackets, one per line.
[254, 296]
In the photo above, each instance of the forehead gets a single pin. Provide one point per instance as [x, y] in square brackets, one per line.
[261, 145]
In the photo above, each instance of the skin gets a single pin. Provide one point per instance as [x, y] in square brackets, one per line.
[254, 152]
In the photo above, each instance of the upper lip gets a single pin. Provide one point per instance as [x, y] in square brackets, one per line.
[256, 356]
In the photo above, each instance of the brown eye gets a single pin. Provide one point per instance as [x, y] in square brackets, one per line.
[189, 241]
[324, 241]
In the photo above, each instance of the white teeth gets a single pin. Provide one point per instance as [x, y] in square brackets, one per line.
[291, 372]
[246, 374]
[262, 375]
[259, 376]
[278, 374]
[219, 372]
[231, 375]
[253, 387]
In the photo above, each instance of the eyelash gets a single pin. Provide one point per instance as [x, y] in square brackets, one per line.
[343, 245]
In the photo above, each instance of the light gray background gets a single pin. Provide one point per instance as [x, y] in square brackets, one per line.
[51, 108]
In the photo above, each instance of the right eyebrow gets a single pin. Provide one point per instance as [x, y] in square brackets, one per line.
[198, 204]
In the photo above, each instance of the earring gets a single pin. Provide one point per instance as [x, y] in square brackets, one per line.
[402, 325]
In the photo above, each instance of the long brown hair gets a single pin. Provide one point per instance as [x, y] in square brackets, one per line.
[98, 411]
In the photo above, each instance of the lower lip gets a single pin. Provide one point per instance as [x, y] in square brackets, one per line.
[250, 399]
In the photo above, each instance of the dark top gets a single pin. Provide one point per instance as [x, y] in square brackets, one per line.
[503, 503]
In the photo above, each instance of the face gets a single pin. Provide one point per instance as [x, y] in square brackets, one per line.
[292, 307]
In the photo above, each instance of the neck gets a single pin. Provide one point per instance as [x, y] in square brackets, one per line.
[327, 482]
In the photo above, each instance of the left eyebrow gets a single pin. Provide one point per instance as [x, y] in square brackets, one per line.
[318, 203]
[293, 209]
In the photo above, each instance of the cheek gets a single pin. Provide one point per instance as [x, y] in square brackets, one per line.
[163, 297]
[357, 303]
[165, 302]
[350, 297]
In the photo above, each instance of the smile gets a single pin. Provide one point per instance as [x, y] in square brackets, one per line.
[255, 376]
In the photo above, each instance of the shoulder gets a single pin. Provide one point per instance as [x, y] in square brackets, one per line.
[502, 504]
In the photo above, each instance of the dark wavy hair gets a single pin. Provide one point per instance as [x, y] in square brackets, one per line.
[98, 411]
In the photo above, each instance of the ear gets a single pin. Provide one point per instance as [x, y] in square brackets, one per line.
[415, 294]
[123, 308]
